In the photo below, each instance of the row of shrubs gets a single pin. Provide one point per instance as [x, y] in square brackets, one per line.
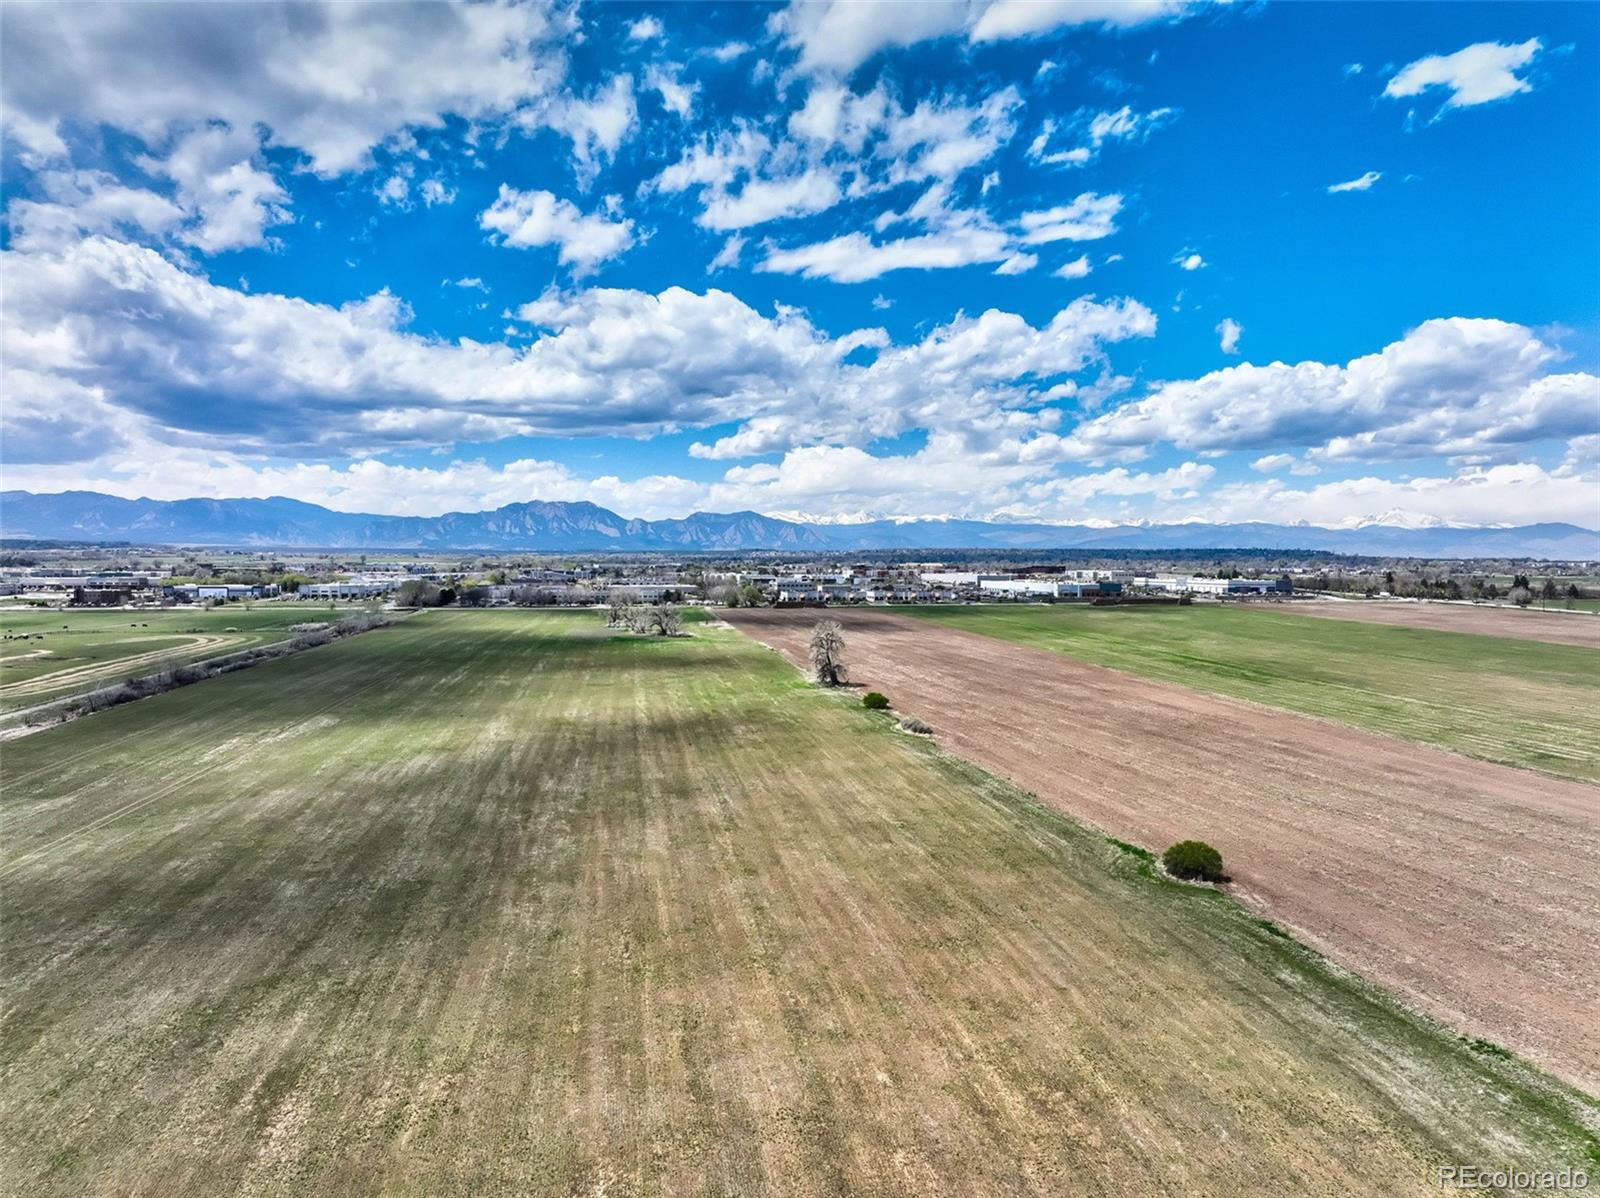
[308, 636]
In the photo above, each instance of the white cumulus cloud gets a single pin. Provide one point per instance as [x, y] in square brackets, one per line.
[1450, 387]
[1078, 268]
[1479, 74]
[333, 83]
[839, 35]
[538, 218]
[644, 29]
[1229, 331]
[125, 340]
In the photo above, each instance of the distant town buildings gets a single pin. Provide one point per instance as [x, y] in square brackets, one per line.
[647, 579]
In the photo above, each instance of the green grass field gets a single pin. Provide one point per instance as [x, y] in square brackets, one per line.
[496, 902]
[1519, 702]
[68, 652]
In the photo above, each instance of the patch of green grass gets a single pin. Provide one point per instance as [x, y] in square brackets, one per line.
[1133, 850]
[1519, 702]
[58, 653]
[494, 902]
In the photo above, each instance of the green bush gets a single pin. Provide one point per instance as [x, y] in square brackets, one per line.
[1194, 859]
[875, 701]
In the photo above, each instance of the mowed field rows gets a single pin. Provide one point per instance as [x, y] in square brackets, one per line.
[1470, 888]
[60, 653]
[495, 902]
[1515, 701]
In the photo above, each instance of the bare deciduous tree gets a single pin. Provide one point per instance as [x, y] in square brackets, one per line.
[663, 620]
[624, 610]
[827, 652]
[618, 603]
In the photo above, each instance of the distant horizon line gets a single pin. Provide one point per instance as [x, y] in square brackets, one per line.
[792, 518]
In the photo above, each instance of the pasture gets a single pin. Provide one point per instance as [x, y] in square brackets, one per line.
[53, 654]
[498, 902]
[1520, 702]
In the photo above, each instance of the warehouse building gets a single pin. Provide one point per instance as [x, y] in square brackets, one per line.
[350, 588]
[960, 578]
[1049, 588]
[1181, 584]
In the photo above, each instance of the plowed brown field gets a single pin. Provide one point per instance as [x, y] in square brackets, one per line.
[1555, 628]
[1469, 888]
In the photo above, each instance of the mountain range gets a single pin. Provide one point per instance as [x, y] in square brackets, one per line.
[586, 527]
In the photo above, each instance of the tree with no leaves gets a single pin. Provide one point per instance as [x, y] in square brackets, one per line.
[827, 652]
[617, 604]
[663, 619]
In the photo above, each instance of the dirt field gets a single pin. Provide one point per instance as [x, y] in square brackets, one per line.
[496, 903]
[1531, 625]
[1514, 702]
[1470, 888]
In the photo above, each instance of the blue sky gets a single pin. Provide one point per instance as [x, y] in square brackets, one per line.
[1070, 262]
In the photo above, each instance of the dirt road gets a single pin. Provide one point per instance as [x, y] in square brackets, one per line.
[1469, 888]
[1556, 628]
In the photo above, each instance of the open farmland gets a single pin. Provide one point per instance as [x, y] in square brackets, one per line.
[1470, 888]
[1519, 702]
[497, 902]
[58, 653]
[1557, 626]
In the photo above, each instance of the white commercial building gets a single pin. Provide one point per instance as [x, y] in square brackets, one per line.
[1097, 575]
[1182, 584]
[812, 590]
[367, 587]
[651, 591]
[960, 578]
[1053, 588]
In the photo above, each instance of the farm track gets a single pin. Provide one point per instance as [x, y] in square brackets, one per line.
[1470, 888]
[1531, 625]
[102, 670]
